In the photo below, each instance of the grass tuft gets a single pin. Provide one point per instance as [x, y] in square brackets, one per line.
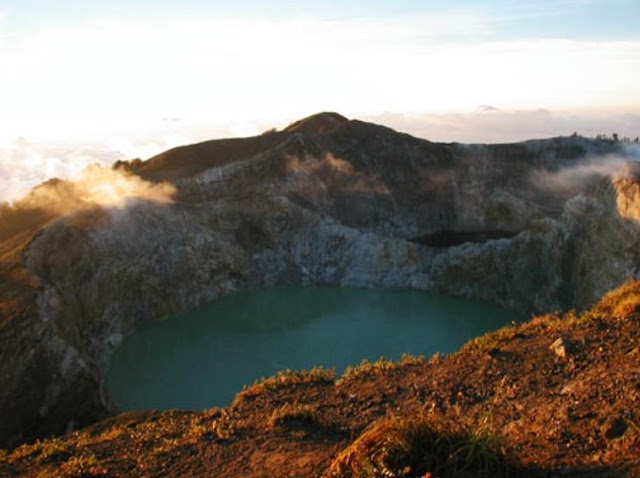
[491, 339]
[293, 415]
[382, 365]
[284, 379]
[622, 302]
[412, 448]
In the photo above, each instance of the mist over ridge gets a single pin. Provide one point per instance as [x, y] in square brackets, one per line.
[324, 201]
[25, 163]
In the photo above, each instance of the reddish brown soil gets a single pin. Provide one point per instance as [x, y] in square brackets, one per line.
[577, 415]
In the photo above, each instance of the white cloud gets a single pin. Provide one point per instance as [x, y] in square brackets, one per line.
[26, 162]
[231, 70]
[93, 181]
[24, 165]
[108, 85]
[144, 150]
[512, 125]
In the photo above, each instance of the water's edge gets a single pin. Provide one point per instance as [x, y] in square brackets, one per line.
[204, 357]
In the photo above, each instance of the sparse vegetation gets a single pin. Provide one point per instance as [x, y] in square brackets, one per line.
[366, 368]
[109, 435]
[621, 302]
[83, 466]
[287, 378]
[378, 367]
[490, 340]
[164, 436]
[409, 447]
[41, 450]
[292, 415]
[50, 449]
[615, 138]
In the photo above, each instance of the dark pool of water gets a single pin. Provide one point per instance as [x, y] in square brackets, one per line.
[203, 358]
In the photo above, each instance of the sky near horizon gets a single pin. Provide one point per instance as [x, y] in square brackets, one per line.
[138, 76]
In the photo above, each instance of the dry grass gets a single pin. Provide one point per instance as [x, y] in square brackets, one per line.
[53, 451]
[285, 379]
[41, 450]
[382, 365]
[70, 455]
[293, 415]
[83, 466]
[395, 447]
[490, 340]
[620, 303]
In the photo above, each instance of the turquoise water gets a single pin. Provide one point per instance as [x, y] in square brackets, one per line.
[203, 358]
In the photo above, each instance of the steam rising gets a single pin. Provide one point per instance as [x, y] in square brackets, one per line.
[329, 165]
[97, 186]
[26, 163]
[576, 178]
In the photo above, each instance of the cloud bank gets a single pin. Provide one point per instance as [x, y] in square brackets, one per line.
[227, 69]
[25, 164]
[489, 124]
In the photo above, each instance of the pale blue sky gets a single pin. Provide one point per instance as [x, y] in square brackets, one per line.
[75, 63]
[113, 79]
[591, 19]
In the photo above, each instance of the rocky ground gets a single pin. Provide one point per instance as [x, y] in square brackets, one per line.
[536, 226]
[556, 396]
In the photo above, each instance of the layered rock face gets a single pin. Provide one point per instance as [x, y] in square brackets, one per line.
[535, 226]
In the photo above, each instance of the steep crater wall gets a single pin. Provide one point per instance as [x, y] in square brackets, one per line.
[359, 205]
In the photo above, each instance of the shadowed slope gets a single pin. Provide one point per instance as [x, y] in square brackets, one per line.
[513, 402]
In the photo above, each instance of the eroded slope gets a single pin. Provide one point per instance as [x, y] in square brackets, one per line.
[329, 201]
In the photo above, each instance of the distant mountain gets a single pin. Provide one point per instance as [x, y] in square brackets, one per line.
[485, 109]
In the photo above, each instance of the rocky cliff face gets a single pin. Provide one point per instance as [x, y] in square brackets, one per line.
[327, 201]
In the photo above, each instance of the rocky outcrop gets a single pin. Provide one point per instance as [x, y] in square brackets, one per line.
[327, 201]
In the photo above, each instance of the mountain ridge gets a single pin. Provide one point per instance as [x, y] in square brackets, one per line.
[355, 205]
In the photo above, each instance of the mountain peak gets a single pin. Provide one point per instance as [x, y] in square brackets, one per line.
[316, 124]
[485, 109]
